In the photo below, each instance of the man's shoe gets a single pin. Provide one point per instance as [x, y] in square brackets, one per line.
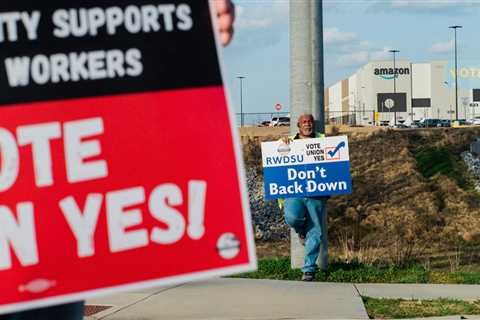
[301, 238]
[308, 276]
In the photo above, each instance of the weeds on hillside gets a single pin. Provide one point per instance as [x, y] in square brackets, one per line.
[411, 197]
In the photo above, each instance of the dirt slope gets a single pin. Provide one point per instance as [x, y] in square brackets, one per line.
[396, 213]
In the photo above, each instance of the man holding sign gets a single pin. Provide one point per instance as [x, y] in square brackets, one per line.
[306, 170]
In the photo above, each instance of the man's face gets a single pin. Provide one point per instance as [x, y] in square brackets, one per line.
[305, 125]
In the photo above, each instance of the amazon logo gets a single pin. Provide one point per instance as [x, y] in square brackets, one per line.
[390, 73]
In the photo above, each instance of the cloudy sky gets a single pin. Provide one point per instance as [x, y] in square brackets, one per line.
[355, 32]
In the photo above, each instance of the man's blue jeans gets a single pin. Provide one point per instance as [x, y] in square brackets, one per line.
[69, 311]
[305, 216]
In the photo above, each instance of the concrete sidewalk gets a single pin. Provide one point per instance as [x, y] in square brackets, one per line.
[224, 299]
[237, 299]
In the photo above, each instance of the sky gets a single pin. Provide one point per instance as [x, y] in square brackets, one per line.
[354, 33]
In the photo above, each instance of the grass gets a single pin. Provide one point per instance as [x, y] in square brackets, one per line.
[434, 161]
[440, 161]
[399, 308]
[279, 269]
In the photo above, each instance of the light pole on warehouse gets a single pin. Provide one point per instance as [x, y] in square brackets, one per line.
[456, 73]
[241, 99]
[354, 108]
[363, 102]
[394, 51]
[450, 112]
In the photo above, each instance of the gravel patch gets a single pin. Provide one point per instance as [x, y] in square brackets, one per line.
[473, 165]
[267, 217]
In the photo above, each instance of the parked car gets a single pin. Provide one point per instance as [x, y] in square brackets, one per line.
[415, 124]
[430, 123]
[463, 122]
[445, 123]
[280, 121]
[264, 124]
[476, 122]
[400, 126]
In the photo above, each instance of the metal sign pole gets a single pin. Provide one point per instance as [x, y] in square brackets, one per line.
[306, 90]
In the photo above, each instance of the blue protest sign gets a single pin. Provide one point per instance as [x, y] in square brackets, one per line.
[306, 168]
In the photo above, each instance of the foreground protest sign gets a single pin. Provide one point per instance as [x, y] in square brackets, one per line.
[306, 167]
[119, 163]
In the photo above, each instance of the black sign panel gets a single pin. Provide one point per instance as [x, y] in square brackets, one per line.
[421, 103]
[61, 49]
[392, 102]
[476, 95]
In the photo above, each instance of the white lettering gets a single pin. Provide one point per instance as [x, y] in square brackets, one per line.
[61, 67]
[291, 173]
[196, 208]
[96, 18]
[40, 69]
[76, 150]
[78, 66]
[166, 11]
[160, 205]
[150, 18]
[273, 189]
[17, 71]
[31, 23]
[96, 65]
[59, 64]
[20, 236]
[9, 160]
[83, 224]
[183, 14]
[115, 64]
[60, 21]
[133, 58]
[39, 137]
[133, 19]
[10, 19]
[120, 219]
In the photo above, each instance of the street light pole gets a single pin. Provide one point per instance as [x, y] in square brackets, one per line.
[456, 73]
[394, 82]
[241, 99]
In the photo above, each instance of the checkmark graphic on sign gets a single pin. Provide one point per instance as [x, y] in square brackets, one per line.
[333, 152]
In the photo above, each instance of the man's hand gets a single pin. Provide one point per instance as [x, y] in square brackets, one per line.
[286, 140]
[226, 15]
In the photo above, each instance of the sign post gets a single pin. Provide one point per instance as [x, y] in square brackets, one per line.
[376, 117]
[106, 181]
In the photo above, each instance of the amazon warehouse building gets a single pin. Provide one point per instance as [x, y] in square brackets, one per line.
[378, 94]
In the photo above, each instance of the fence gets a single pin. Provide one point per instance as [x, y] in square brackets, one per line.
[358, 117]
[363, 117]
[256, 119]
[351, 118]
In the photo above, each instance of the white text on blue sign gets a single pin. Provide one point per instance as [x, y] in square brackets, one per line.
[306, 168]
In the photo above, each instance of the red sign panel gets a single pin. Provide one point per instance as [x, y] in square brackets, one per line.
[278, 107]
[119, 164]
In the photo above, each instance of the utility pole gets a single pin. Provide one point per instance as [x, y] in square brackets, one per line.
[306, 90]
[456, 73]
[394, 83]
[241, 99]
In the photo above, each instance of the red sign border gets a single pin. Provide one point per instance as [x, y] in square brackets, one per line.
[188, 277]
